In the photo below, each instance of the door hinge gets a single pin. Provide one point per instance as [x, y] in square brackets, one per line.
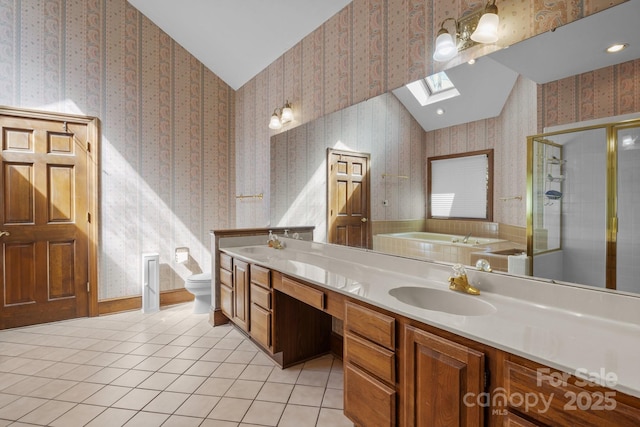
[88, 288]
[88, 147]
[487, 379]
[89, 217]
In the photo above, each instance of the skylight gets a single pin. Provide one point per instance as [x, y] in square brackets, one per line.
[439, 82]
[434, 88]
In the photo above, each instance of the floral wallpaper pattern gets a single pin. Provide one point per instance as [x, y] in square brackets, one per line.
[607, 92]
[368, 48]
[167, 144]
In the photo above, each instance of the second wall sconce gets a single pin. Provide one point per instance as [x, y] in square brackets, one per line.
[478, 27]
[281, 116]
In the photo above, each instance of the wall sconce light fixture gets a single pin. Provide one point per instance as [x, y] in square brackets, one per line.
[478, 27]
[281, 116]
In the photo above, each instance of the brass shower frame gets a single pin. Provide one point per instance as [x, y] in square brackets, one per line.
[611, 129]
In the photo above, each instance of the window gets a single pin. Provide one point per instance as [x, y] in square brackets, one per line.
[434, 88]
[460, 186]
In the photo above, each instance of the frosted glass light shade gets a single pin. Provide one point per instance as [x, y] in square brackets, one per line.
[487, 29]
[287, 114]
[445, 48]
[275, 122]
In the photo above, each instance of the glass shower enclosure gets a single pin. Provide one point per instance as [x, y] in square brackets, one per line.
[583, 211]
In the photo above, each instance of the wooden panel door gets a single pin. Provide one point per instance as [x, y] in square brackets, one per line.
[348, 198]
[438, 374]
[44, 219]
[241, 294]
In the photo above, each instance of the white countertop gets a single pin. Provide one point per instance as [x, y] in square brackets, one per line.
[569, 328]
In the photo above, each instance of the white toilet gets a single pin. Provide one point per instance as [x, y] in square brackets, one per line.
[200, 286]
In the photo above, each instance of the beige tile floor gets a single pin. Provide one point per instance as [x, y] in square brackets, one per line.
[170, 368]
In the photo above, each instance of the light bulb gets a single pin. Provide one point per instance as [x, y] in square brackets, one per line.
[445, 47]
[617, 47]
[287, 113]
[487, 29]
[275, 122]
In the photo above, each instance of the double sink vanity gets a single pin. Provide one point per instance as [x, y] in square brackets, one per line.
[522, 353]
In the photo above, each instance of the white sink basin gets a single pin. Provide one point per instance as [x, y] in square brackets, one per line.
[446, 301]
[259, 252]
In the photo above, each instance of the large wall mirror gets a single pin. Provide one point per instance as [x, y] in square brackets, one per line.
[499, 107]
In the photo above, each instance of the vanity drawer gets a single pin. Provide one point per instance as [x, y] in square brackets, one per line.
[368, 402]
[370, 324]
[226, 277]
[568, 404]
[304, 293]
[261, 276]
[371, 357]
[226, 261]
[260, 296]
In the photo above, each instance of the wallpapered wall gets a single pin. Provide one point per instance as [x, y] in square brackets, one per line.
[368, 48]
[381, 127]
[607, 92]
[167, 154]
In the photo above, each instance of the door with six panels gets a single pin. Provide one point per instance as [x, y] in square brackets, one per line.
[44, 221]
[348, 198]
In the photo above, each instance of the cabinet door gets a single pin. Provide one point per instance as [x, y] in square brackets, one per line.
[438, 374]
[226, 300]
[241, 294]
[261, 325]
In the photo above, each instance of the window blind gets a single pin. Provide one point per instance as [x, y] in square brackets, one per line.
[459, 187]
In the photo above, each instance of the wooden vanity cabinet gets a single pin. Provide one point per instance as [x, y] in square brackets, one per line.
[438, 374]
[369, 367]
[550, 397]
[398, 371]
[261, 306]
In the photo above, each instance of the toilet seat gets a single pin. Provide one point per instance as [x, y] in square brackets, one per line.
[199, 280]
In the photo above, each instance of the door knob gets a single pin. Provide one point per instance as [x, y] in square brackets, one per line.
[4, 233]
[363, 219]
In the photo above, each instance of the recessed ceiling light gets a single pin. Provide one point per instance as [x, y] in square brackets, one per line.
[617, 47]
[440, 111]
[471, 61]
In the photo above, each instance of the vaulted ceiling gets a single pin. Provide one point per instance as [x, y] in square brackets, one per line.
[236, 39]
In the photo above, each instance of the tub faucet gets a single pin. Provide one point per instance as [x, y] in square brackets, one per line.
[459, 282]
[466, 238]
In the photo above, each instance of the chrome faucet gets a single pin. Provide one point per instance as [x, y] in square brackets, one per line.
[466, 238]
[459, 282]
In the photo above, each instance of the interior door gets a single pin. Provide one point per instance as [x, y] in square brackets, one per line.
[348, 198]
[44, 221]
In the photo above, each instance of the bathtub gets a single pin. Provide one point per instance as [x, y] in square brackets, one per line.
[432, 246]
